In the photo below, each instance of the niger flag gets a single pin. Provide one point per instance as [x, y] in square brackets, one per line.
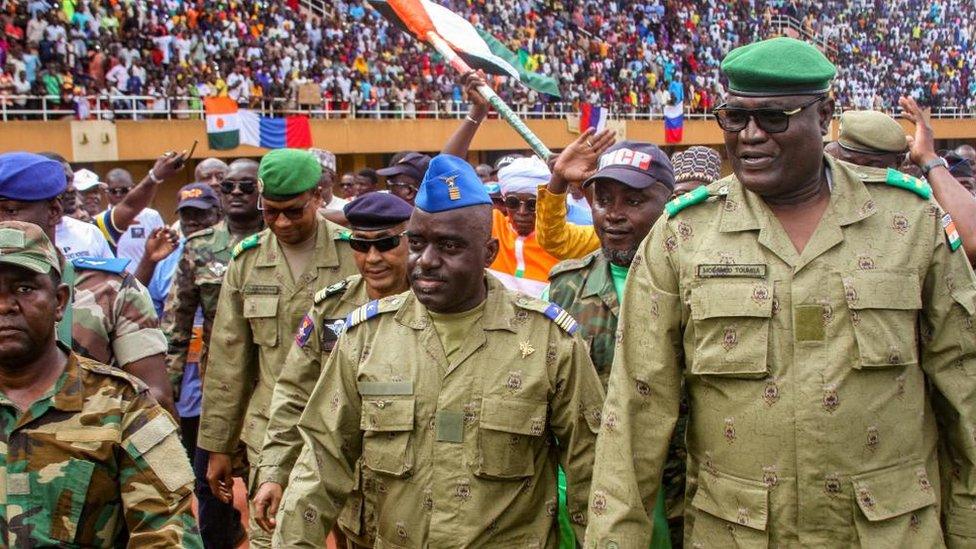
[223, 123]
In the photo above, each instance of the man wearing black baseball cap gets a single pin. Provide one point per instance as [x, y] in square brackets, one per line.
[405, 174]
[631, 182]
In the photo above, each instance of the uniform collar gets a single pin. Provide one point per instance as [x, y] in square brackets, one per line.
[69, 396]
[355, 293]
[499, 309]
[325, 248]
[850, 201]
[599, 281]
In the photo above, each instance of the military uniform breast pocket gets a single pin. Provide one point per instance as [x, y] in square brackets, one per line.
[388, 424]
[731, 323]
[509, 434]
[261, 313]
[57, 496]
[883, 309]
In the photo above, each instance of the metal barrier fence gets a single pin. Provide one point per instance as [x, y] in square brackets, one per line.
[143, 107]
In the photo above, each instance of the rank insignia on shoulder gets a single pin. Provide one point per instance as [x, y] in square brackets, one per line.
[952, 235]
[330, 290]
[901, 180]
[696, 196]
[562, 319]
[363, 314]
[105, 264]
[246, 244]
[304, 331]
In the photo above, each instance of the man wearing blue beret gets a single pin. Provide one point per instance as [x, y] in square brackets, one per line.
[819, 316]
[267, 289]
[111, 318]
[453, 403]
[379, 247]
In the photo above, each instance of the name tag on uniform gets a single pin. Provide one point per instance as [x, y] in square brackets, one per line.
[261, 289]
[450, 426]
[731, 271]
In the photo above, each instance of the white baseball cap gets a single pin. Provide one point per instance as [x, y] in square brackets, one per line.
[86, 180]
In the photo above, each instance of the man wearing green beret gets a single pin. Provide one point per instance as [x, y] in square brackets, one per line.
[820, 319]
[268, 287]
[869, 138]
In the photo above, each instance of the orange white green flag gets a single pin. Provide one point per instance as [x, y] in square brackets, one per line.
[223, 123]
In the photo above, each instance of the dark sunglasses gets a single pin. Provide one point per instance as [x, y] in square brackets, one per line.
[246, 187]
[514, 203]
[734, 119]
[119, 191]
[293, 214]
[385, 244]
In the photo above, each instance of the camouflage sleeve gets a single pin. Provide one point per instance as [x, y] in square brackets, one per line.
[156, 482]
[232, 369]
[642, 403]
[136, 334]
[298, 376]
[575, 420]
[178, 315]
[949, 360]
[332, 443]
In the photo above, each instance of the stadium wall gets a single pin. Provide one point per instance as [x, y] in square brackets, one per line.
[358, 143]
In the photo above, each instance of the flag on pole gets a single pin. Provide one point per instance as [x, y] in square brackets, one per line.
[223, 122]
[674, 123]
[533, 80]
[270, 132]
[422, 16]
[592, 116]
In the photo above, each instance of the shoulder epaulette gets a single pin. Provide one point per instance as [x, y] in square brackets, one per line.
[330, 290]
[696, 196]
[374, 308]
[99, 368]
[106, 264]
[246, 244]
[198, 234]
[551, 311]
[895, 178]
[571, 265]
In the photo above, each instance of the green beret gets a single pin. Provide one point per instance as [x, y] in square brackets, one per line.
[285, 172]
[871, 132]
[778, 66]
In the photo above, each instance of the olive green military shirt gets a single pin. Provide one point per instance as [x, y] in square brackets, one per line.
[808, 375]
[258, 313]
[454, 454]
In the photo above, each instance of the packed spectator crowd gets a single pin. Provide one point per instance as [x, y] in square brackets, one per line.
[634, 55]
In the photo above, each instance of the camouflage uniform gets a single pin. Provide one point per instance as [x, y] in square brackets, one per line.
[259, 311]
[454, 454]
[819, 382]
[196, 284]
[584, 287]
[302, 370]
[93, 458]
[113, 320]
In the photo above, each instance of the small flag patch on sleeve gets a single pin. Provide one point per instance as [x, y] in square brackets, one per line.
[304, 331]
[952, 235]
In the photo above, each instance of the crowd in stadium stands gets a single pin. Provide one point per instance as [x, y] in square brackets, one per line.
[636, 55]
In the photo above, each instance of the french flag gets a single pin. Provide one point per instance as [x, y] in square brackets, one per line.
[592, 116]
[291, 132]
[674, 123]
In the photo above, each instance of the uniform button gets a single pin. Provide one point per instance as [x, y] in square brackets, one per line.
[612, 545]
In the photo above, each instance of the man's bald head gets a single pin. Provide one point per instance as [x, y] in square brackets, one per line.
[211, 171]
[119, 183]
[967, 152]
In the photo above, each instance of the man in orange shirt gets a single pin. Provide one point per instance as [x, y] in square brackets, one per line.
[521, 263]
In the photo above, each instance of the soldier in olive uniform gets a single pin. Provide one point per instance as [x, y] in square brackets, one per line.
[460, 397]
[630, 189]
[87, 456]
[111, 319]
[808, 306]
[378, 221]
[869, 138]
[267, 290]
[196, 286]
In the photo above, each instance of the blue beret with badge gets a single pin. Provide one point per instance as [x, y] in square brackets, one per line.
[449, 184]
[30, 177]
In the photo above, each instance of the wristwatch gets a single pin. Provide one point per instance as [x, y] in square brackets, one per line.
[934, 163]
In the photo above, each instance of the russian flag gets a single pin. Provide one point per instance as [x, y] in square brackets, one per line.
[270, 132]
[674, 123]
[592, 116]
